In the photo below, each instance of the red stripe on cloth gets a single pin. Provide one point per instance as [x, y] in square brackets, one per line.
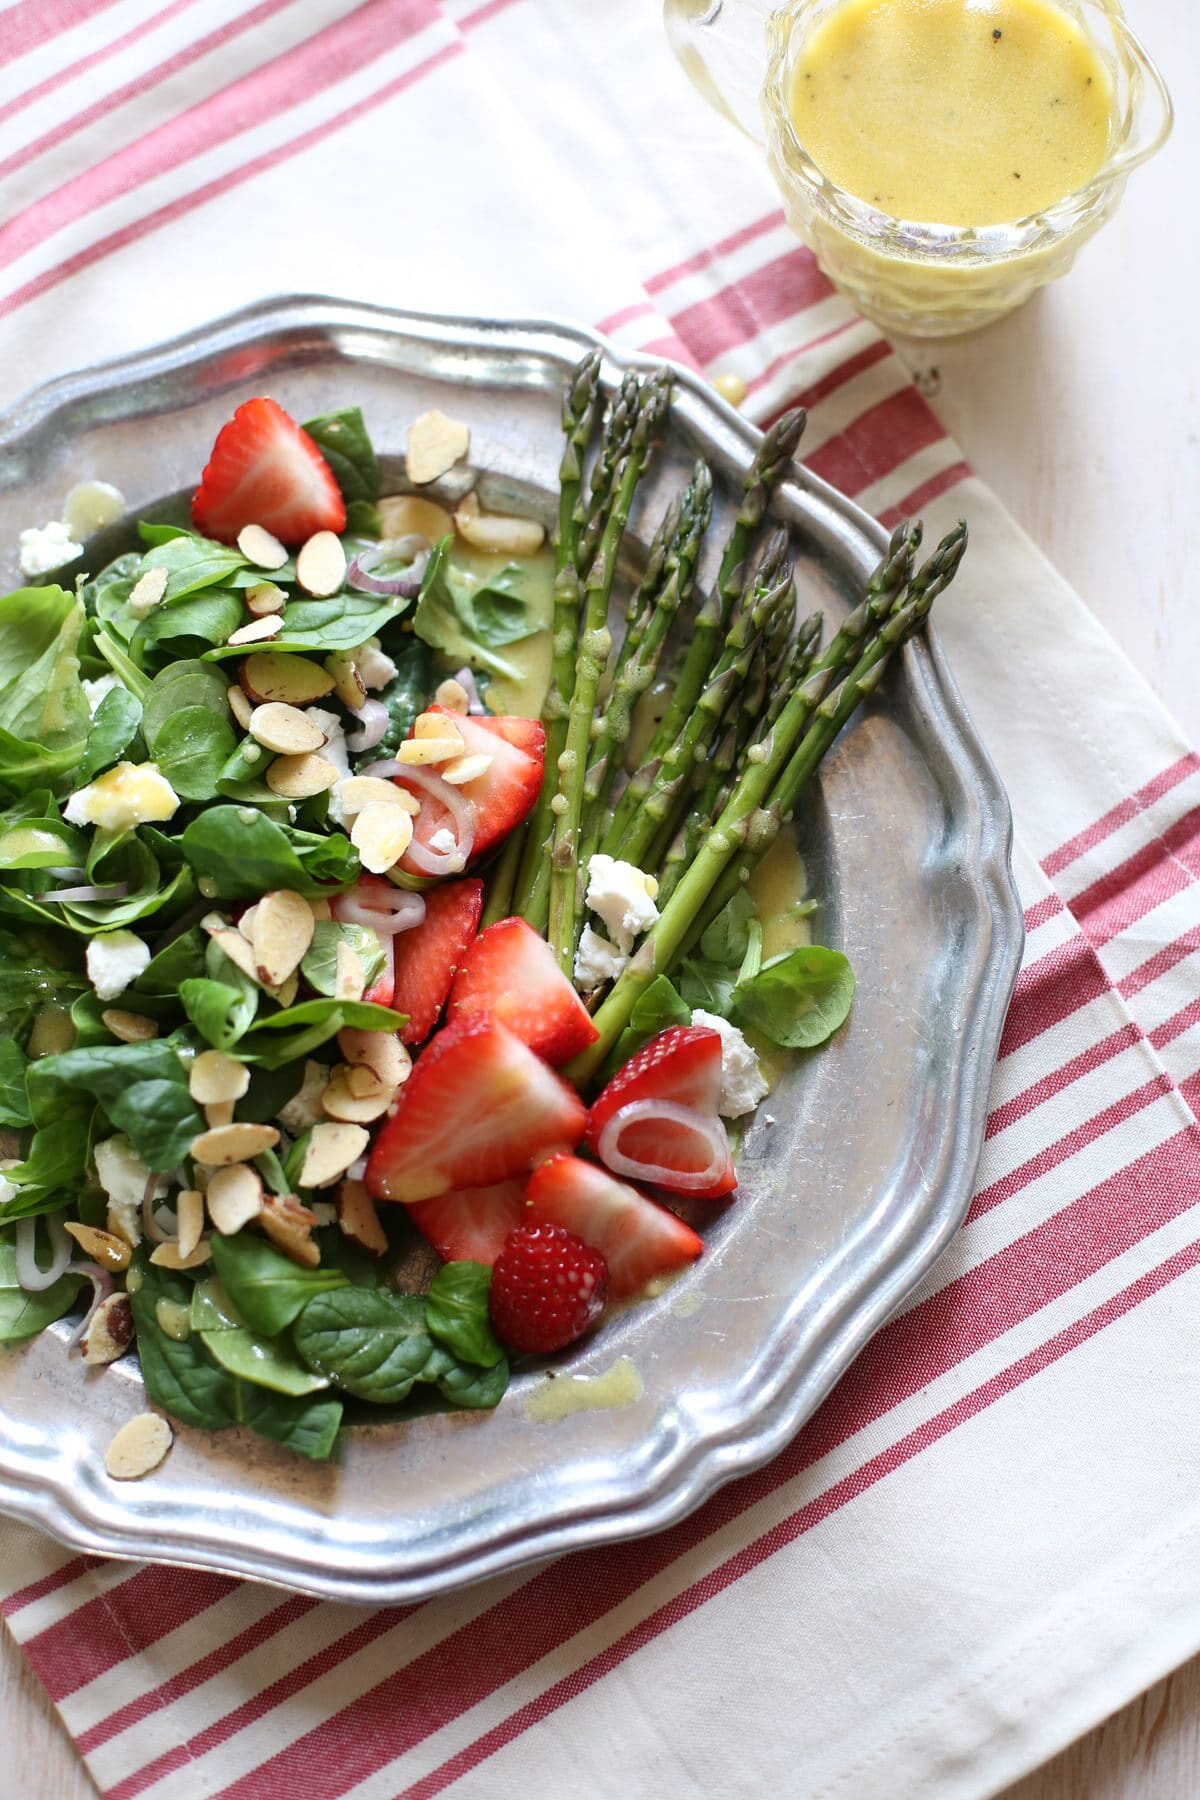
[1022, 1104]
[786, 1532]
[1042, 911]
[1121, 814]
[1051, 1156]
[1050, 990]
[471, 1663]
[777, 291]
[796, 355]
[100, 1633]
[54, 83]
[1176, 1025]
[1140, 883]
[1190, 1090]
[671, 347]
[48, 1584]
[626, 315]
[31, 23]
[703, 259]
[877, 442]
[190, 53]
[1161, 963]
[186, 203]
[300, 73]
[925, 494]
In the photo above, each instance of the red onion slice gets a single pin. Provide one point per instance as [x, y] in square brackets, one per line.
[102, 1287]
[665, 1112]
[372, 718]
[419, 858]
[33, 1279]
[466, 679]
[412, 550]
[384, 914]
[151, 1224]
[119, 890]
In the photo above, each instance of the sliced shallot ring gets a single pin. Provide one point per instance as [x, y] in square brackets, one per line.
[466, 679]
[665, 1112]
[102, 1287]
[407, 586]
[150, 1220]
[119, 890]
[419, 856]
[372, 718]
[31, 1278]
[384, 914]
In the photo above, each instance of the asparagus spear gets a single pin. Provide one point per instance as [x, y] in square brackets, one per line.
[614, 448]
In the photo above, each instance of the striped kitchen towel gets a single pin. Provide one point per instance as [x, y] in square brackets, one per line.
[987, 1538]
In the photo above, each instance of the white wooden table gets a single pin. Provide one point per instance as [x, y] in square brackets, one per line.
[1083, 413]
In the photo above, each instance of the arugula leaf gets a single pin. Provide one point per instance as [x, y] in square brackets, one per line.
[42, 702]
[797, 1000]
[319, 967]
[141, 1087]
[369, 1341]
[403, 697]
[456, 1313]
[445, 618]
[14, 1101]
[23, 1315]
[114, 727]
[192, 564]
[267, 1362]
[191, 749]
[343, 441]
[266, 1287]
[245, 855]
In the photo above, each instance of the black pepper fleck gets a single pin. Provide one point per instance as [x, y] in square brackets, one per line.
[997, 35]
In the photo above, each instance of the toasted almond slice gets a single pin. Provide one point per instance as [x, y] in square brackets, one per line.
[138, 1447]
[264, 599]
[147, 592]
[435, 444]
[283, 931]
[321, 565]
[466, 768]
[289, 1224]
[331, 1150]
[357, 792]
[381, 833]
[380, 1051]
[219, 1112]
[349, 977]
[234, 1197]
[111, 1331]
[261, 547]
[273, 675]
[189, 1210]
[300, 777]
[129, 1027]
[348, 684]
[240, 705]
[171, 1256]
[104, 1247]
[245, 923]
[412, 515]
[497, 532]
[287, 990]
[419, 751]
[232, 944]
[452, 695]
[285, 729]
[340, 1102]
[215, 1077]
[364, 1083]
[240, 1142]
[321, 911]
[257, 631]
[435, 725]
[358, 1219]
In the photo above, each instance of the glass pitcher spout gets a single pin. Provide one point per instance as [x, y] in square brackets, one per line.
[722, 46]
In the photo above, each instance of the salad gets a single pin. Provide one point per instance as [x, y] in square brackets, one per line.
[362, 887]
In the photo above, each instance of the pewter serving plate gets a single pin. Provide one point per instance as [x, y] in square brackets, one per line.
[846, 1200]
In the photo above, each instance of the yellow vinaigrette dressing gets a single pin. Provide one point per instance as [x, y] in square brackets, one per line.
[953, 112]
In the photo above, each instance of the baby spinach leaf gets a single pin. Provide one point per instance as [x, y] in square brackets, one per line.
[297, 1031]
[343, 441]
[179, 1375]
[267, 1362]
[14, 1101]
[362, 518]
[54, 1165]
[156, 531]
[369, 1341]
[470, 1387]
[40, 843]
[143, 1090]
[266, 1287]
[114, 727]
[192, 563]
[31, 974]
[307, 1424]
[205, 618]
[121, 665]
[403, 697]
[319, 967]
[105, 597]
[727, 939]
[182, 684]
[797, 1000]
[269, 1092]
[179, 961]
[456, 1313]
[445, 618]
[222, 1003]
[656, 1007]
[191, 749]
[42, 703]
[498, 611]
[244, 855]
[342, 622]
[23, 1315]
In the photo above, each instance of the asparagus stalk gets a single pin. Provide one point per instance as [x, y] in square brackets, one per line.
[614, 448]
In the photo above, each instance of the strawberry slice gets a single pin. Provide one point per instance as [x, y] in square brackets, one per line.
[504, 795]
[427, 956]
[636, 1237]
[266, 470]
[479, 1107]
[512, 973]
[681, 1065]
[383, 988]
[471, 1224]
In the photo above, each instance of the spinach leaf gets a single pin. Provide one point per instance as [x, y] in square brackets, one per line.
[307, 1425]
[456, 1313]
[141, 1087]
[40, 842]
[656, 1007]
[342, 622]
[181, 685]
[797, 1000]
[121, 665]
[30, 975]
[191, 749]
[179, 1375]
[54, 1166]
[403, 697]
[266, 1287]
[445, 618]
[727, 953]
[222, 1004]
[192, 564]
[319, 967]
[113, 729]
[14, 1102]
[296, 1031]
[369, 1341]
[363, 519]
[466, 1386]
[343, 441]
[206, 618]
[267, 1362]
[269, 1092]
[179, 961]
[728, 937]
[244, 855]
[23, 1315]
[42, 702]
[105, 597]
[498, 611]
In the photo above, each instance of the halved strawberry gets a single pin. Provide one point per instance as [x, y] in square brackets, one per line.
[479, 1107]
[636, 1237]
[265, 470]
[471, 1224]
[512, 973]
[681, 1065]
[427, 956]
[504, 795]
[383, 987]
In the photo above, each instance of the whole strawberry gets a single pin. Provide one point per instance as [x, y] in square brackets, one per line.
[548, 1288]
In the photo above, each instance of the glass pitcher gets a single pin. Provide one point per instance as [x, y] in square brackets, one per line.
[917, 279]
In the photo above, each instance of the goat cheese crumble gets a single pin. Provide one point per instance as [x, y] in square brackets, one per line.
[131, 794]
[743, 1084]
[596, 960]
[44, 548]
[123, 1176]
[114, 962]
[622, 897]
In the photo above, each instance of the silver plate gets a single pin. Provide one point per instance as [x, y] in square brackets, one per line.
[845, 1201]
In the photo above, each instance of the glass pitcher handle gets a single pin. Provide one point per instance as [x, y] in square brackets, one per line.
[721, 45]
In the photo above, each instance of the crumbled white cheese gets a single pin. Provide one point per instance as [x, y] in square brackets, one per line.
[8, 1190]
[325, 1211]
[96, 690]
[375, 667]
[334, 751]
[44, 548]
[442, 840]
[304, 1109]
[123, 1176]
[622, 896]
[742, 1082]
[131, 794]
[114, 961]
[596, 960]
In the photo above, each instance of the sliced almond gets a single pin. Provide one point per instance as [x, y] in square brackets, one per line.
[340, 1102]
[321, 911]
[497, 532]
[381, 833]
[364, 1083]
[435, 444]
[412, 515]
[232, 944]
[172, 1256]
[286, 992]
[436, 725]
[331, 1150]
[357, 792]
[379, 1051]
[189, 1210]
[272, 675]
[257, 631]
[240, 705]
[284, 729]
[138, 1447]
[453, 696]
[240, 1142]
[261, 547]
[358, 1219]
[245, 922]
[283, 931]
[466, 768]
[349, 976]
[104, 1247]
[300, 777]
[321, 565]
[215, 1077]
[111, 1331]
[129, 1027]
[147, 593]
[264, 599]
[289, 1224]
[234, 1196]
[348, 684]
[418, 752]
